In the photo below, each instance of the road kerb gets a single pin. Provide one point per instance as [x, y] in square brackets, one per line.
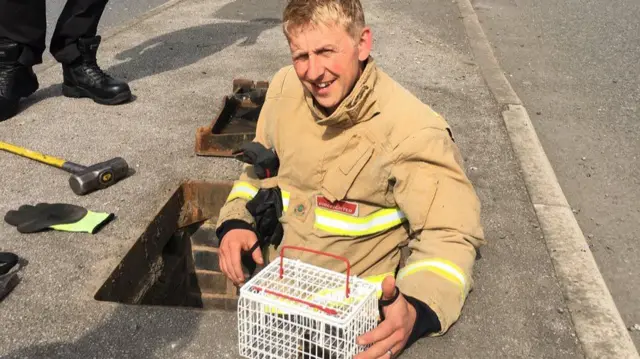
[597, 321]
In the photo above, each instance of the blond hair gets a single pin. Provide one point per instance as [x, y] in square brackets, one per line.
[301, 13]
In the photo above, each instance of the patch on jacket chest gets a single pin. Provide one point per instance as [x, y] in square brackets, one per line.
[345, 207]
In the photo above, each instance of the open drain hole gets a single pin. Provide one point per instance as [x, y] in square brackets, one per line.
[175, 261]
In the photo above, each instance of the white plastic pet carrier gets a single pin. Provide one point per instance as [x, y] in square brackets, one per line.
[292, 309]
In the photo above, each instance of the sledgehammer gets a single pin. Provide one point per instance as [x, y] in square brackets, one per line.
[83, 179]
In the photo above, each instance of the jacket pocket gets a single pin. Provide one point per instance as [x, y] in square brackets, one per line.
[339, 177]
[416, 199]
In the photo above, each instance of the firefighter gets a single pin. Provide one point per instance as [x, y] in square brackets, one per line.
[365, 169]
[74, 44]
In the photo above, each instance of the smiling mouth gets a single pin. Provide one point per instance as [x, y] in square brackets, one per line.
[322, 85]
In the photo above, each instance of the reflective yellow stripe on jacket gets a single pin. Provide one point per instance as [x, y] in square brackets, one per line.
[285, 200]
[442, 267]
[242, 189]
[247, 191]
[331, 221]
[346, 225]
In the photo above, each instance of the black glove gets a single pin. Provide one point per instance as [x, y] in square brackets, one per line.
[9, 265]
[8, 260]
[265, 162]
[266, 208]
[58, 216]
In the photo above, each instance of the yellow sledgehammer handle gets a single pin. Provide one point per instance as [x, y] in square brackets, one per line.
[50, 160]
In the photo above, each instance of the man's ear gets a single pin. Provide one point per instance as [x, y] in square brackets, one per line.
[365, 43]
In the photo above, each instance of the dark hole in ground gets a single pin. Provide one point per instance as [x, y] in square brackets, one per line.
[175, 261]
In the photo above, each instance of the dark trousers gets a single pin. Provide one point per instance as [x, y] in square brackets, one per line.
[24, 21]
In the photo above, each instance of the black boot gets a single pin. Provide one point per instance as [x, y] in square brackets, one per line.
[16, 80]
[83, 77]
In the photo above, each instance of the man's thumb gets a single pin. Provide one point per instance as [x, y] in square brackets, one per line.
[257, 256]
[388, 287]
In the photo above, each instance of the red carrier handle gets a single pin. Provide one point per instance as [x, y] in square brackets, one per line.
[319, 253]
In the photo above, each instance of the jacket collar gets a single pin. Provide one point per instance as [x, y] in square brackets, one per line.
[359, 106]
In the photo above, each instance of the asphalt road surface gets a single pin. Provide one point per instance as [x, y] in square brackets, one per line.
[575, 65]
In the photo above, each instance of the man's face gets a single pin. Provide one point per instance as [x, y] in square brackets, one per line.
[327, 61]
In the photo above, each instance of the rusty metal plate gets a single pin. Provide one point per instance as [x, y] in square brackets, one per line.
[236, 122]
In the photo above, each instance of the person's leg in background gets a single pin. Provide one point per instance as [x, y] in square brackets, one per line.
[74, 44]
[22, 41]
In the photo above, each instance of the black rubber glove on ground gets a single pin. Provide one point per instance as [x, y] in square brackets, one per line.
[57, 216]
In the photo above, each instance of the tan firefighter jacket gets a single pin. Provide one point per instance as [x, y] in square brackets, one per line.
[378, 172]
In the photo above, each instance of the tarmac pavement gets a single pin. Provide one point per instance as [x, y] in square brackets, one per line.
[180, 61]
[574, 64]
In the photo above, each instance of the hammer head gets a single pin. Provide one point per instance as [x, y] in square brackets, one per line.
[99, 176]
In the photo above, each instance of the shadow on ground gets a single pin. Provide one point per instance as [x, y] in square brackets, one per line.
[129, 332]
[251, 9]
[42, 94]
[184, 47]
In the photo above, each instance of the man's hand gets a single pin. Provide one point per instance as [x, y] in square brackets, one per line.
[393, 333]
[233, 244]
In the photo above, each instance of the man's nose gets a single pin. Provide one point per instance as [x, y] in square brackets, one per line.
[316, 68]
